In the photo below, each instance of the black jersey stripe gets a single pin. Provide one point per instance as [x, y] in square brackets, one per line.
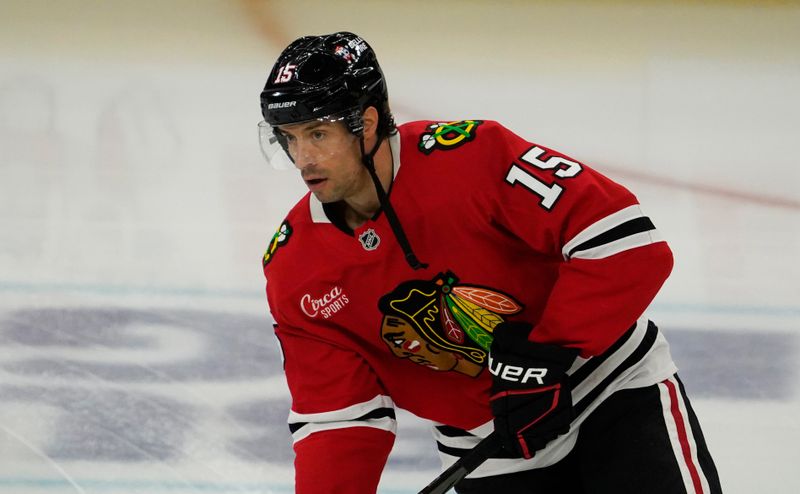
[459, 452]
[378, 413]
[626, 229]
[644, 346]
[580, 375]
[593, 363]
[450, 431]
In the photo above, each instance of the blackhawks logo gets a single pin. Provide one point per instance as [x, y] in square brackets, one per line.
[443, 325]
[280, 238]
[448, 135]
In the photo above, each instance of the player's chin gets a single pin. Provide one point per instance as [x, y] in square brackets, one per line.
[325, 196]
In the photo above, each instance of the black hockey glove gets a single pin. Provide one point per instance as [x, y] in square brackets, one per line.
[531, 398]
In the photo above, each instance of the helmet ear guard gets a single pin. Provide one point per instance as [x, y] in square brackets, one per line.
[355, 122]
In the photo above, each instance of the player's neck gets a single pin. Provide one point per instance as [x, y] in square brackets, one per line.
[363, 206]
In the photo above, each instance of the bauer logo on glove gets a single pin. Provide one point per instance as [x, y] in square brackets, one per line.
[531, 398]
[516, 373]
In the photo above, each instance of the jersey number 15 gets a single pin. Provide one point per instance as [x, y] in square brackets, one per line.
[549, 193]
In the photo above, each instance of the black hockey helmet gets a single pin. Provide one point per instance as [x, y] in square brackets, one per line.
[333, 77]
[320, 76]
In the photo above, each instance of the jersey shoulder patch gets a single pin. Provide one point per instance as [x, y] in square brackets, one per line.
[447, 135]
[279, 239]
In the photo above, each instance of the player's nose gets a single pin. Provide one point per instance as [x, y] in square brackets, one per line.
[303, 154]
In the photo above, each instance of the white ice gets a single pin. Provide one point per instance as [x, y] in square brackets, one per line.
[136, 353]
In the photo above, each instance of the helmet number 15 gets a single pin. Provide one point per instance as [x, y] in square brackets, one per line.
[549, 193]
[285, 73]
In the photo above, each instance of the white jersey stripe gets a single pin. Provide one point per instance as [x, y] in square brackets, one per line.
[611, 246]
[601, 226]
[631, 242]
[580, 391]
[356, 415]
[384, 423]
[589, 391]
[348, 413]
[681, 437]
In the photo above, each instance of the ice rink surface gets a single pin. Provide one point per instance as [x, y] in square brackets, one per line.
[136, 353]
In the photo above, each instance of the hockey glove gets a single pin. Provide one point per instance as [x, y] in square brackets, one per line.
[531, 398]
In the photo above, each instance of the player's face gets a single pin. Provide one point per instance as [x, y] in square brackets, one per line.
[405, 342]
[328, 157]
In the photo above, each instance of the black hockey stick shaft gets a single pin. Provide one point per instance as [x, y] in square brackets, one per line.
[466, 464]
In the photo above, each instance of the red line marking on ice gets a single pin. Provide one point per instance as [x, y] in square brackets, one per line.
[763, 200]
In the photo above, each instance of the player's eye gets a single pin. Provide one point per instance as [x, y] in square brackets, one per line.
[317, 135]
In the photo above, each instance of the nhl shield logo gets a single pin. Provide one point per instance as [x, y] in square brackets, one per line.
[369, 239]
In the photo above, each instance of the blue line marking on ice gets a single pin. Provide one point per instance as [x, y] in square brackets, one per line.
[775, 311]
[187, 291]
[150, 485]
[121, 290]
[162, 486]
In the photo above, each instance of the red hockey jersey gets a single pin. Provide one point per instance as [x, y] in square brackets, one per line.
[509, 230]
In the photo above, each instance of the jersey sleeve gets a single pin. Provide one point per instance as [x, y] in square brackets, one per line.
[611, 258]
[342, 423]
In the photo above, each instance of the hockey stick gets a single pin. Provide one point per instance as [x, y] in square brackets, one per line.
[466, 464]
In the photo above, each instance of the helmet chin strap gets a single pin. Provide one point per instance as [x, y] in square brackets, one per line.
[383, 198]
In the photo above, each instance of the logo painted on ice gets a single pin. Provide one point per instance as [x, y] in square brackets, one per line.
[327, 305]
[369, 239]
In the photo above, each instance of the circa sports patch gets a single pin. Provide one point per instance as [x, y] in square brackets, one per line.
[448, 135]
[279, 239]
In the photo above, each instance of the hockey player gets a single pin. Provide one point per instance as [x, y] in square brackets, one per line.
[474, 278]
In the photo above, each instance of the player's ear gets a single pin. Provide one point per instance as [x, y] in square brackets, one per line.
[370, 121]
